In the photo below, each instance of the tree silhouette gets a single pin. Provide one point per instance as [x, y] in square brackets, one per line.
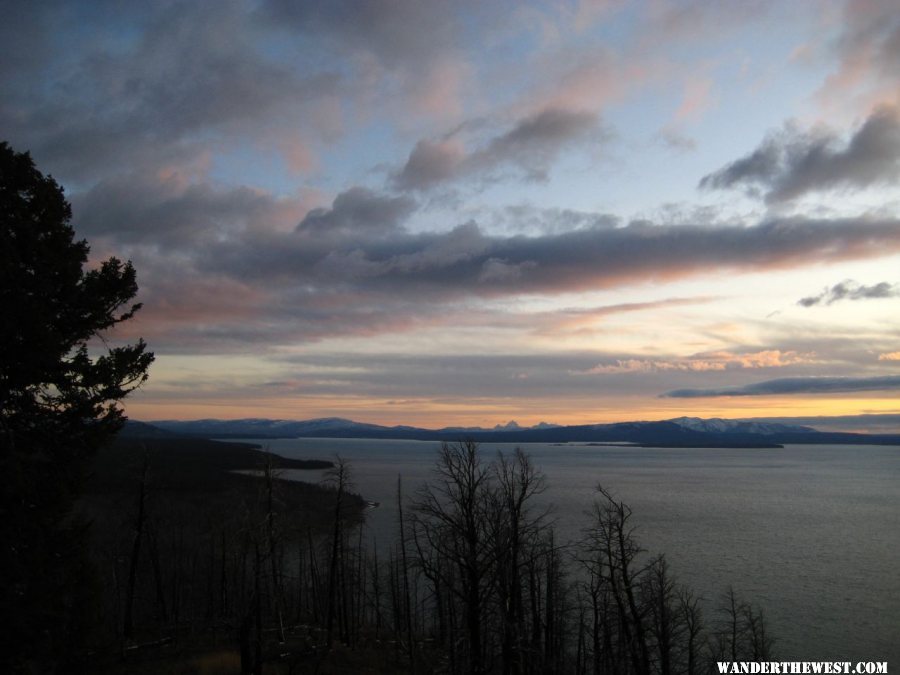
[59, 388]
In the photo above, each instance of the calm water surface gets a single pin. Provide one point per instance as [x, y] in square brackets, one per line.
[811, 533]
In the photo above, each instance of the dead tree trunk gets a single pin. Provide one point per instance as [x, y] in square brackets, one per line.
[128, 628]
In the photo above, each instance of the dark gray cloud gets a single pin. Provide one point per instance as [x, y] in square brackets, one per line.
[790, 163]
[529, 148]
[795, 385]
[851, 290]
[535, 140]
[150, 87]
[430, 163]
[400, 33]
[27, 33]
[353, 269]
[417, 52]
[141, 208]
[358, 212]
[172, 215]
[468, 262]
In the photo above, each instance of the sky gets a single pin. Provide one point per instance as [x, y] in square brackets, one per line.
[465, 213]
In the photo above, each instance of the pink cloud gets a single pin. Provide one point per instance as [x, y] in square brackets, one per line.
[299, 155]
[696, 100]
[441, 94]
[691, 21]
[593, 80]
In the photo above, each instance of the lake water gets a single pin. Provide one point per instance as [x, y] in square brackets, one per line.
[810, 533]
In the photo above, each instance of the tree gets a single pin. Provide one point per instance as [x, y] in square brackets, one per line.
[517, 531]
[611, 557]
[742, 633]
[60, 385]
[478, 539]
[339, 477]
[453, 519]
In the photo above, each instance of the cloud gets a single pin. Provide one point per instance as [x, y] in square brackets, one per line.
[171, 211]
[851, 290]
[364, 266]
[796, 385]
[889, 356]
[355, 269]
[162, 119]
[586, 317]
[451, 264]
[196, 314]
[511, 373]
[473, 375]
[399, 33]
[417, 50]
[676, 140]
[691, 21]
[697, 99]
[357, 212]
[536, 139]
[791, 163]
[714, 361]
[430, 163]
[866, 53]
[154, 86]
[529, 147]
[528, 219]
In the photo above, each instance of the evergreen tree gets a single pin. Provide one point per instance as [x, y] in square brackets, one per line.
[59, 389]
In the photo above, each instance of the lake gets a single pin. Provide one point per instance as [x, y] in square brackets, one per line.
[810, 533]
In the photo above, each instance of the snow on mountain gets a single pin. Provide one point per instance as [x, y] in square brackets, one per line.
[719, 426]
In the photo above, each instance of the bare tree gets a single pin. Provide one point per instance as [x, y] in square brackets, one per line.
[516, 529]
[742, 634]
[452, 518]
[404, 573]
[339, 478]
[140, 521]
[610, 556]
[689, 607]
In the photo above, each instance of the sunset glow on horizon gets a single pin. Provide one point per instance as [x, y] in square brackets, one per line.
[461, 214]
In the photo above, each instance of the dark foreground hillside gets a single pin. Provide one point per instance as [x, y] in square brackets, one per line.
[180, 540]
[186, 464]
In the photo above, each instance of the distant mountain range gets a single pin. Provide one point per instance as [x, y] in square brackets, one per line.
[678, 432]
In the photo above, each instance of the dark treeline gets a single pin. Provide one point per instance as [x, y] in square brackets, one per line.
[475, 581]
